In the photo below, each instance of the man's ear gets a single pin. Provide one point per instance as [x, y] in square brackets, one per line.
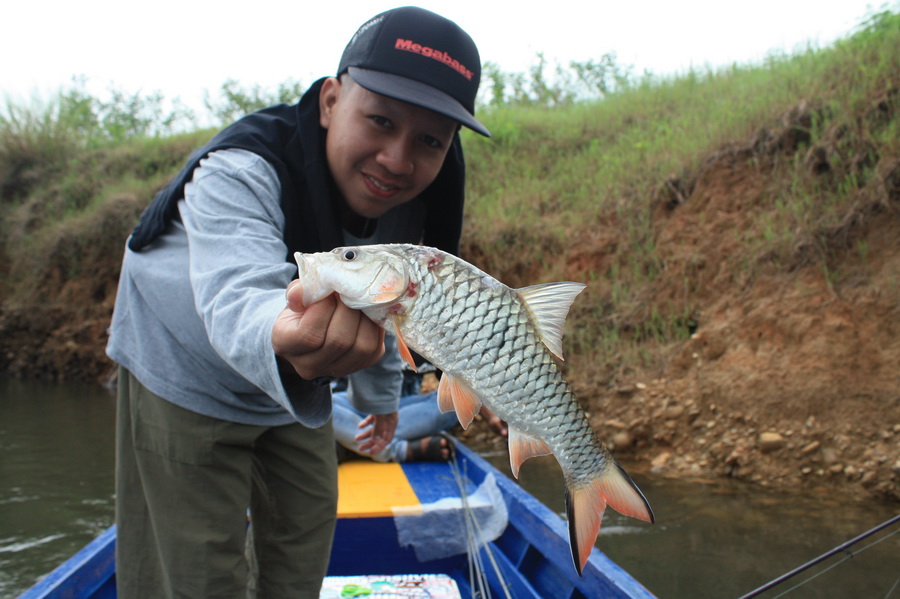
[328, 97]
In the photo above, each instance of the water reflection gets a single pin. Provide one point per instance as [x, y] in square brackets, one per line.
[56, 475]
[710, 540]
[725, 539]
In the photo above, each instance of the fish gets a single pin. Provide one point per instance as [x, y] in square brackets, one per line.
[496, 346]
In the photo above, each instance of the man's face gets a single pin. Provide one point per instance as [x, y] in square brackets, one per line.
[381, 152]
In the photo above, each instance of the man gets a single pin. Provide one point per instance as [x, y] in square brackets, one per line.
[224, 401]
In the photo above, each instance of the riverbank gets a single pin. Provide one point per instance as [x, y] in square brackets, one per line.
[789, 380]
[737, 232]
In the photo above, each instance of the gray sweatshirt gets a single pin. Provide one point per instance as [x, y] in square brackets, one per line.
[195, 309]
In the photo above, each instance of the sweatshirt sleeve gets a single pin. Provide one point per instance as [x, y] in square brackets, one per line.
[234, 222]
[376, 389]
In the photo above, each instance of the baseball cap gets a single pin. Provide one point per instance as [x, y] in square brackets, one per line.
[416, 56]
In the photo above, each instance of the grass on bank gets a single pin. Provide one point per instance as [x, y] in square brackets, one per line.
[548, 175]
[76, 173]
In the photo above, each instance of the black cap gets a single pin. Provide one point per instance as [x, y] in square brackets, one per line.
[414, 55]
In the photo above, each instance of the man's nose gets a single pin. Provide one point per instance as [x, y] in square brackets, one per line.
[397, 157]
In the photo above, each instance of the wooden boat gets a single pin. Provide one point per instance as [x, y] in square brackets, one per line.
[382, 540]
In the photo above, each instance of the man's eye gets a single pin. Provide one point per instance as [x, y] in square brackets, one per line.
[432, 142]
[381, 121]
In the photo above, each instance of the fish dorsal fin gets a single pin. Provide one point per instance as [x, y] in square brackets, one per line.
[455, 394]
[522, 447]
[549, 304]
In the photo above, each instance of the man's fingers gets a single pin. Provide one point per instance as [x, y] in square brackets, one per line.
[294, 296]
[326, 338]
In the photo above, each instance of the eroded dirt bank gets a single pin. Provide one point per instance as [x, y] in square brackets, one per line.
[791, 378]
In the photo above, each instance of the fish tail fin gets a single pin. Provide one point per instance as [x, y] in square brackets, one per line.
[586, 503]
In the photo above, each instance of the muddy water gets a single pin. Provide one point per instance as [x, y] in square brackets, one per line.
[719, 539]
[56, 475]
[710, 540]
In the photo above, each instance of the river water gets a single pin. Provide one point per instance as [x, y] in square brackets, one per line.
[713, 539]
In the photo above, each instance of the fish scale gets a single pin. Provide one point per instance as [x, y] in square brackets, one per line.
[495, 345]
[532, 378]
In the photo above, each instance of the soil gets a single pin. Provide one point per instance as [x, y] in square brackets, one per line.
[791, 379]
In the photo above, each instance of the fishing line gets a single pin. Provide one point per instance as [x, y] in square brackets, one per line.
[838, 563]
[844, 547]
[477, 566]
[893, 588]
[477, 577]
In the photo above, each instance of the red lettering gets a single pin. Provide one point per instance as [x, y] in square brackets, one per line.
[409, 46]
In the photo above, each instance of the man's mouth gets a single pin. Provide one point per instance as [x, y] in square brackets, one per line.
[380, 188]
[379, 184]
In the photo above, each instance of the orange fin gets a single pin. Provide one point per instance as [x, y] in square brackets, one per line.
[548, 305]
[522, 447]
[585, 505]
[454, 394]
[623, 495]
[584, 509]
[445, 396]
[401, 344]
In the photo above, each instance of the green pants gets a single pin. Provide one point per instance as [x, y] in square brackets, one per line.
[184, 483]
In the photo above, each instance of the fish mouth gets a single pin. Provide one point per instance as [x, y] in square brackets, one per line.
[306, 266]
[308, 275]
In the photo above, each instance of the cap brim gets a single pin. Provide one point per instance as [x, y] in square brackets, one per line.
[414, 92]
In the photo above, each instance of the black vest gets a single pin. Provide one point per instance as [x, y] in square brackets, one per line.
[291, 139]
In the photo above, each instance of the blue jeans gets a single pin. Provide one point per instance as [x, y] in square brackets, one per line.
[419, 417]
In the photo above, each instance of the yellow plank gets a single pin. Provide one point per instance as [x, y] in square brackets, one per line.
[368, 489]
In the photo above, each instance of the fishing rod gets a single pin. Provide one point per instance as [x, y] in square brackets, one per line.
[823, 557]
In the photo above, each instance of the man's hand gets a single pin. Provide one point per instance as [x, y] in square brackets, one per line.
[326, 338]
[378, 432]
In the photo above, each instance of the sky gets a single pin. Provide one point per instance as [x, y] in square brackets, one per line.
[181, 48]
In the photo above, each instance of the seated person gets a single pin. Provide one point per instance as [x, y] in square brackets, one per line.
[417, 436]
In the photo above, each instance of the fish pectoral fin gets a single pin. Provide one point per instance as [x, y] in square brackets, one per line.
[455, 394]
[522, 447]
[585, 505]
[549, 305]
[401, 344]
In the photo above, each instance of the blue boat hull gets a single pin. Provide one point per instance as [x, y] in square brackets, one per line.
[531, 558]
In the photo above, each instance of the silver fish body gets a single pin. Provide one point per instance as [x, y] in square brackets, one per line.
[495, 345]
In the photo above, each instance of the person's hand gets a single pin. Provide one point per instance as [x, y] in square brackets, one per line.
[326, 338]
[495, 422]
[378, 430]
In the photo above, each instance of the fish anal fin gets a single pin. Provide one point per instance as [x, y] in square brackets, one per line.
[522, 447]
[445, 396]
[455, 394]
[549, 305]
[401, 344]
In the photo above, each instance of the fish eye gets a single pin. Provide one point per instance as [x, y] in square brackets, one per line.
[349, 254]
